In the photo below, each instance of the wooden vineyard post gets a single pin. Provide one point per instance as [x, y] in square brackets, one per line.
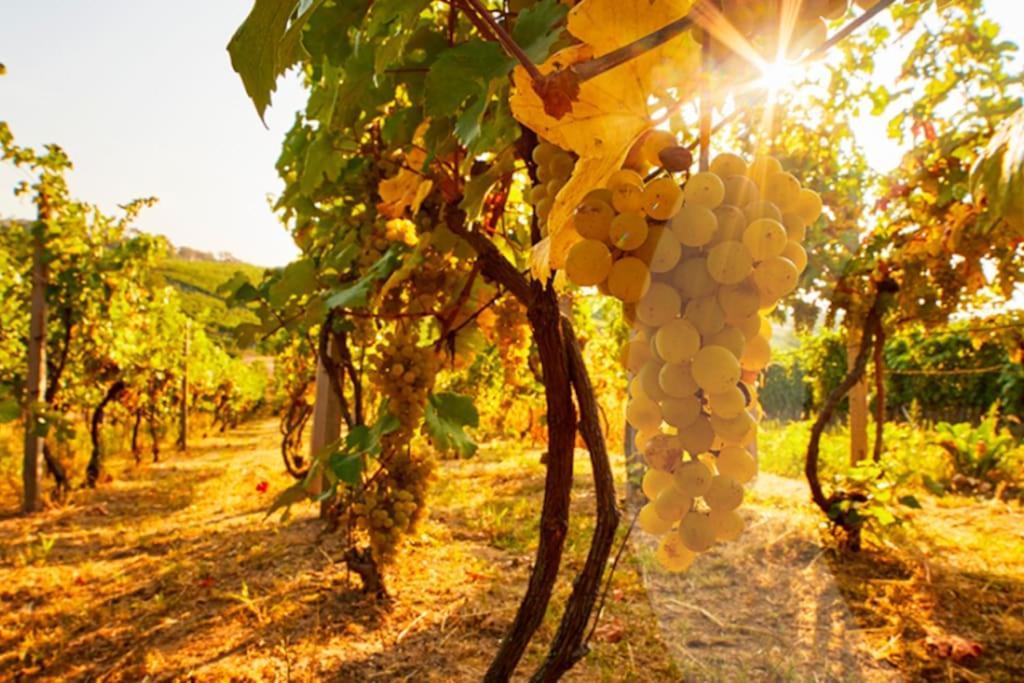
[858, 400]
[326, 421]
[35, 390]
[183, 435]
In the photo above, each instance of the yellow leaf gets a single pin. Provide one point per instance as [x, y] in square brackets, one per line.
[612, 110]
[406, 189]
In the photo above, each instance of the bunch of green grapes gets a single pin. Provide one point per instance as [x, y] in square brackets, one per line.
[554, 166]
[696, 266]
[391, 503]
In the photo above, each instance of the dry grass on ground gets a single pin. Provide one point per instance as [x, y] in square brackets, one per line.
[172, 572]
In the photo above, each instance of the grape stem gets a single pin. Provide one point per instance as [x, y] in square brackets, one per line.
[502, 36]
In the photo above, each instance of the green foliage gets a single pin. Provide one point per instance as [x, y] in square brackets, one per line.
[977, 452]
[198, 284]
[445, 417]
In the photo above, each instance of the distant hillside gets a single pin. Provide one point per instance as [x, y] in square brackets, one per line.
[197, 276]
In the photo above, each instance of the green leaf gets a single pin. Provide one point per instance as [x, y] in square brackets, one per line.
[535, 28]
[461, 72]
[264, 46]
[10, 410]
[446, 415]
[910, 502]
[478, 186]
[933, 486]
[348, 467]
[357, 294]
[297, 278]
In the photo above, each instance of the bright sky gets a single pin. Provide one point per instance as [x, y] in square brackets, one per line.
[142, 96]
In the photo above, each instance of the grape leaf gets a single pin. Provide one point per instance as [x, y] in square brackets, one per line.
[534, 28]
[446, 415]
[265, 46]
[357, 294]
[462, 72]
[9, 410]
[610, 111]
[406, 189]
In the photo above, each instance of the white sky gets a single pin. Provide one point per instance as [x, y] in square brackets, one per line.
[142, 96]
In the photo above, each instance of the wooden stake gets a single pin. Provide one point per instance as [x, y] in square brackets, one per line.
[326, 421]
[858, 399]
[35, 389]
[183, 433]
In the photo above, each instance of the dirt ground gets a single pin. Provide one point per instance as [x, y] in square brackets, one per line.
[173, 572]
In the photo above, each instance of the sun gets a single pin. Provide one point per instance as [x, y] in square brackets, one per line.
[780, 75]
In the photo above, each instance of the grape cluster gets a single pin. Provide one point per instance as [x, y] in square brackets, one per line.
[696, 266]
[391, 503]
[554, 166]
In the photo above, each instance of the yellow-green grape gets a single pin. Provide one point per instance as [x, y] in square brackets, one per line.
[677, 340]
[694, 225]
[865, 4]
[725, 165]
[561, 166]
[544, 174]
[692, 279]
[624, 176]
[643, 413]
[696, 531]
[833, 9]
[636, 388]
[628, 230]
[705, 314]
[543, 153]
[653, 143]
[739, 302]
[654, 482]
[680, 412]
[740, 191]
[650, 380]
[628, 193]
[692, 478]
[795, 253]
[662, 199]
[776, 277]
[673, 555]
[765, 238]
[728, 403]
[756, 354]
[734, 431]
[554, 187]
[729, 337]
[650, 521]
[635, 353]
[736, 462]
[671, 504]
[662, 451]
[761, 167]
[783, 190]
[698, 436]
[724, 493]
[808, 205]
[731, 224]
[629, 279]
[749, 326]
[796, 227]
[660, 251]
[729, 263]
[766, 329]
[641, 440]
[593, 218]
[676, 380]
[715, 369]
[658, 306]
[727, 524]
[536, 194]
[543, 208]
[704, 189]
[761, 208]
[588, 263]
